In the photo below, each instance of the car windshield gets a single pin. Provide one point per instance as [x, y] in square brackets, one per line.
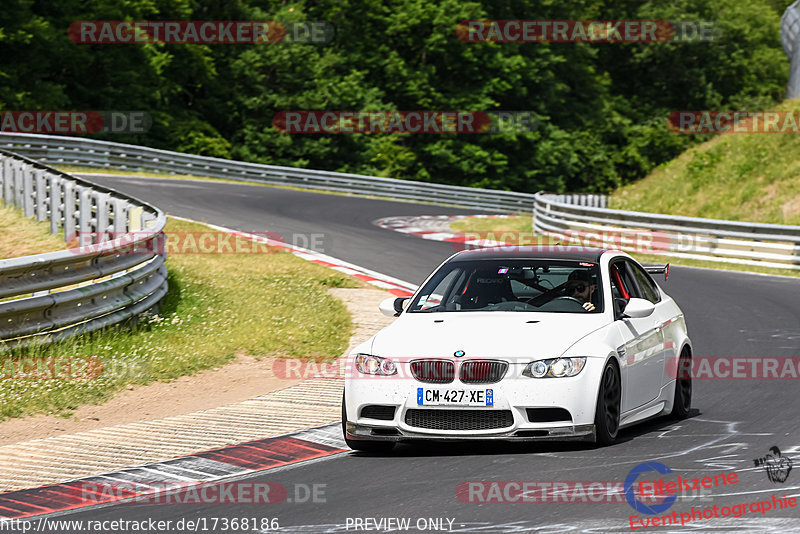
[512, 285]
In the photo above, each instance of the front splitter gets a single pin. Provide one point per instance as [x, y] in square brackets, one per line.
[381, 433]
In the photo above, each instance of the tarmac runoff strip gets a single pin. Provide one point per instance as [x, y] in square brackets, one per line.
[201, 468]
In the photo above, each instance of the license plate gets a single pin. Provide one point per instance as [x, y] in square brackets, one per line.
[455, 397]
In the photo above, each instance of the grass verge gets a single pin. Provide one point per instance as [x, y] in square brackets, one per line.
[22, 236]
[517, 223]
[737, 177]
[77, 169]
[512, 229]
[265, 304]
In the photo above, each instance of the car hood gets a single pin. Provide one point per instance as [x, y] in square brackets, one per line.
[507, 335]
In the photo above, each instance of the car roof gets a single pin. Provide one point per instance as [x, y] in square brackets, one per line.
[538, 252]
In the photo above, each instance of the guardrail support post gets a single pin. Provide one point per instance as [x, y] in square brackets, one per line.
[85, 216]
[27, 193]
[55, 203]
[54, 199]
[40, 202]
[18, 179]
[135, 218]
[4, 162]
[120, 216]
[69, 211]
[147, 218]
[103, 224]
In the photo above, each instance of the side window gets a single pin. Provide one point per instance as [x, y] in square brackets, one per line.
[646, 285]
[619, 287]
[628, 280]
[442, 289]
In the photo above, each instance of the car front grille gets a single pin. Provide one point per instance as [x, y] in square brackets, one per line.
[482, 371]
[459, 419]
[433, 371]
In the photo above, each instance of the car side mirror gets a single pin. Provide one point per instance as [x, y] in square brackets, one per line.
[619, 307]
[393, 306]
[638, 308]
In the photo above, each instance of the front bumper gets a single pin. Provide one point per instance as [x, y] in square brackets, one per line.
[514, 395]
[382, 433]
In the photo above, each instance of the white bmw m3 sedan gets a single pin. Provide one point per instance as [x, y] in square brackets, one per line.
[525, 343]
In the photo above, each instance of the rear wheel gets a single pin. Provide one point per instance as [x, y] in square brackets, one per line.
[683, 388]
[606, 416]
[362, 445]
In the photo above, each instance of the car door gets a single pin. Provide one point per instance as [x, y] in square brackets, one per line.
[665, 317]
[642, 352]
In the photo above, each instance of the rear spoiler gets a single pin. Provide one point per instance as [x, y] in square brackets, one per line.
[658, 269]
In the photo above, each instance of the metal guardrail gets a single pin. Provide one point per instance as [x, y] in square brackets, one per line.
[54, 149]
[744, 243]
[767, 245]
[55, 295]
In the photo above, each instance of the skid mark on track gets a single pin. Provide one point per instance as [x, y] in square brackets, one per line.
[717, 440]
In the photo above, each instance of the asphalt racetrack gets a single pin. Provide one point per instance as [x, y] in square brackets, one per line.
[733, 423]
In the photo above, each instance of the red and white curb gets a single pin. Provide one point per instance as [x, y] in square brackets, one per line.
[211, 466]
[437, 228]
[187, 472]
[393, 285]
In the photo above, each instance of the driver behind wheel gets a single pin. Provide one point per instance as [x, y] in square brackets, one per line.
[579, 286]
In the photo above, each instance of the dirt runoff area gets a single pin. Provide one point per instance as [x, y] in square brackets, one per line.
[244, 378]
[239, 380]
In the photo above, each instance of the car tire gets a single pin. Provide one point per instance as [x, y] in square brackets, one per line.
[682, 401]
[362, 445]
[607, 411]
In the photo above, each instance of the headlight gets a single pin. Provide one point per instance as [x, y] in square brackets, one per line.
[375, 365]
[538, 369]
[555, 368]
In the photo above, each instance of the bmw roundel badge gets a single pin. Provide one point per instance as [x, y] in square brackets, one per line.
[459, 353]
